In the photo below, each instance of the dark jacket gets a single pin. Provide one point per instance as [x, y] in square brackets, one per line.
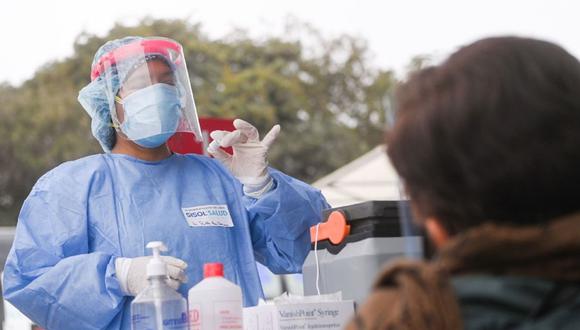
[509, 302]
[490, 277]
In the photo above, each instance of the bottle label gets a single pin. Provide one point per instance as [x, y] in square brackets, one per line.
[195, 317]
[144, 321]
[228, 315]
[179, 322]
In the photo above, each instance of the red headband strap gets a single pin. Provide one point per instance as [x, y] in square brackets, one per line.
[146, 46]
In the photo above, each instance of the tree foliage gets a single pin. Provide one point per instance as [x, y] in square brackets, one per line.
[331, 103]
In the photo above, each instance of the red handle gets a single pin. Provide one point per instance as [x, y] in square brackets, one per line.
[335, 229]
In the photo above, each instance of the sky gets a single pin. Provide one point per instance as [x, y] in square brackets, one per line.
[37, 32]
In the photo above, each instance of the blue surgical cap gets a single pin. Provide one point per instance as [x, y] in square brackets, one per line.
[97, 98]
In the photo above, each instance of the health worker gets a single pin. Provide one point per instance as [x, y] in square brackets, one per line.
[79, 254]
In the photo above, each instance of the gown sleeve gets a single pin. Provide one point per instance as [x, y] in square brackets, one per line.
[280, 223]
[49, 274]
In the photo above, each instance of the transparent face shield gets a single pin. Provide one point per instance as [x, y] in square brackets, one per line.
[148, 91]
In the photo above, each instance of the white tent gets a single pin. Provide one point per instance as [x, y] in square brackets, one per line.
[369, 177]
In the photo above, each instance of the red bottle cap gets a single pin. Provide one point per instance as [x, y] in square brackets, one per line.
[213, 269]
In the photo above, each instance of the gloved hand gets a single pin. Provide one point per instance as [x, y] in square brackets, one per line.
[132, 273]
[249, 161]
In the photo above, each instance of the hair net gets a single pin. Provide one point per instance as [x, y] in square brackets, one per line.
[95, 97]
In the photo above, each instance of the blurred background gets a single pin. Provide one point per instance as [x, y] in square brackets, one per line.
[324, 70]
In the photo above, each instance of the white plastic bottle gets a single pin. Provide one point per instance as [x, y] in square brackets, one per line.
[158, 307]
[215, 303]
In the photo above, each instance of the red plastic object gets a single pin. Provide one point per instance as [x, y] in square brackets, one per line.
[138, 47]
[213, 269]
[185, 143]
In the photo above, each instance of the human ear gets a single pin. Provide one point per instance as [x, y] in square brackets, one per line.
[438, 234]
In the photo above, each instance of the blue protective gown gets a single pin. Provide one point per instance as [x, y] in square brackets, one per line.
[83, 214]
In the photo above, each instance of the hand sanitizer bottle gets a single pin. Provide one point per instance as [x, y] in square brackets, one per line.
[158, 306]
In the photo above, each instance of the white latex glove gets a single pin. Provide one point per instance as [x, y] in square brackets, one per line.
[132, 273]
[249, 161]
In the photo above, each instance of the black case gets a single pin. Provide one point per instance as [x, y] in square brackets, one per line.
[366, 220]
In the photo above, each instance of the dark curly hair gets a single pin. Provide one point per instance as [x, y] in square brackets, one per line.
[491, 134]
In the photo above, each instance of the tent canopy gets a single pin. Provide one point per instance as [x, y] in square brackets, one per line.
[369, 177]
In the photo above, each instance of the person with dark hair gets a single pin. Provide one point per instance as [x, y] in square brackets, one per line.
[487, 145]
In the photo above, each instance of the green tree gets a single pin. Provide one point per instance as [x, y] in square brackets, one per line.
[331, 103]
